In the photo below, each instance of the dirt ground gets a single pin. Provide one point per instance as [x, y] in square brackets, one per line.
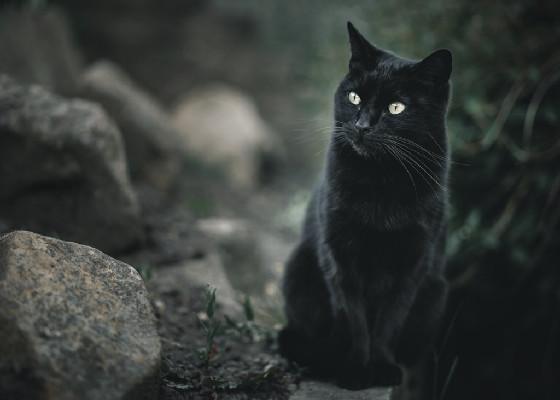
[242, 362]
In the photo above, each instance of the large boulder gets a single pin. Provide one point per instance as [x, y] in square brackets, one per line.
[63, 170]
[74, 324]
[152, 142]
[222, 127]
[36, 47]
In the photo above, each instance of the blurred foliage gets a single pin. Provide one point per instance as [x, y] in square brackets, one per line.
[505, 187]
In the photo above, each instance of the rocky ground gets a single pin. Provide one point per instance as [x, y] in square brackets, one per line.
[238, 363]
[141, 252]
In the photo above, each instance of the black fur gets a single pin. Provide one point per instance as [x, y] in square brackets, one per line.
[364, 288]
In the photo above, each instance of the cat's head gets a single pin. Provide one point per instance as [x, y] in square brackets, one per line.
[388, 99]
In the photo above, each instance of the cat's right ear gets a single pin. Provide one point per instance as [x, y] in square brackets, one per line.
[364, 54]
[436, 67]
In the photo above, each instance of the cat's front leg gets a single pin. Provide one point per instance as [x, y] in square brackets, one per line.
[349, 310]
[354, 315]
[392, 312]
[354, 367]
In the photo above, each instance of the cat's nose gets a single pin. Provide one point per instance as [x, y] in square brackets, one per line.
[362, 123]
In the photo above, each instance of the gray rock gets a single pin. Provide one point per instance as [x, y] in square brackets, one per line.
[63, 170]
[152, 142]
[253, 255]
[310, 390]
[36, 47]
[223, 128]
[187, 276]
[171, 237]
[74, 324]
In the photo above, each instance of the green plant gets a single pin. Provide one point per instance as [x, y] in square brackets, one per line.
[248, 309]
[211, 325]
[249, 329]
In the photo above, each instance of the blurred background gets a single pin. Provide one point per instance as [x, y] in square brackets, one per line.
[230, 115]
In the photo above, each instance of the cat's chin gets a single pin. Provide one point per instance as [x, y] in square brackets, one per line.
[367, 151]
[360, 149]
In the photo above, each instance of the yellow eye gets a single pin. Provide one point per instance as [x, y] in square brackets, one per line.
[354, 98]
[396, 107]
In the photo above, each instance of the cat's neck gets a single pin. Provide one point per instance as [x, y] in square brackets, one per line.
[375, 193]
[382, 178]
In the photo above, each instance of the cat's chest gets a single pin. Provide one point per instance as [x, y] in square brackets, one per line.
[361, 247]
[367, 217]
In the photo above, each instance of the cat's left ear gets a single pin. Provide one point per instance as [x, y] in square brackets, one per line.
[436, 67]
[364, 54]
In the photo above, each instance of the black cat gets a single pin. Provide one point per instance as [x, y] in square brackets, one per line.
[364, 288]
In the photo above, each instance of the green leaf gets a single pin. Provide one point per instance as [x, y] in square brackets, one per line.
[210, 301]
[248, 309]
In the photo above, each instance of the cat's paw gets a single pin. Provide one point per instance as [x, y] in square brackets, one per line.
[355, 377]
[290, 344]
[386, 374]
[374, 375]
[355, 381]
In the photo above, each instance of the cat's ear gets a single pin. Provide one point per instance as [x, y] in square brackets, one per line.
[364, 54]
[436, 67]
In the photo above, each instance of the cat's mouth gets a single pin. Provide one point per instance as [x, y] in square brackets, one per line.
[364, 147]
[356, 140]
[359, 148]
